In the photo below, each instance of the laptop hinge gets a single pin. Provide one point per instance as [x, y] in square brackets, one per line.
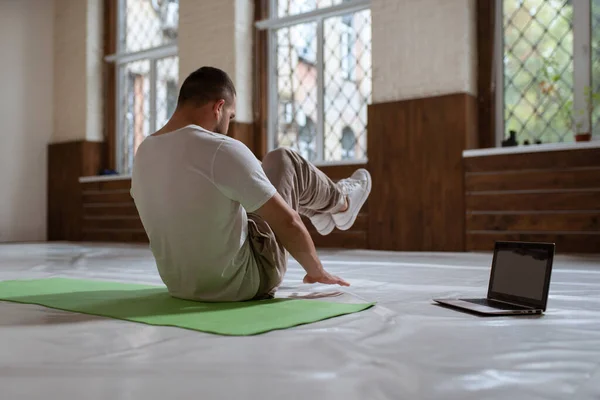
[512, 304]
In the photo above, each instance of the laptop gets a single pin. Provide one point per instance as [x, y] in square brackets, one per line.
[519, 281]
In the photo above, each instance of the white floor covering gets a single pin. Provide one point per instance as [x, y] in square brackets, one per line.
[404, 348]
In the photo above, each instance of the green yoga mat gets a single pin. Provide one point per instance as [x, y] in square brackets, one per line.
[152, 305]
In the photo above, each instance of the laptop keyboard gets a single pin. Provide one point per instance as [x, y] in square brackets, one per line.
[495, 304]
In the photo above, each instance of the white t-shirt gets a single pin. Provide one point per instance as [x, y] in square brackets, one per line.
[192, 189]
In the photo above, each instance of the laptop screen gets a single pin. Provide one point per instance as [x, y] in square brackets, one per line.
[521, 271]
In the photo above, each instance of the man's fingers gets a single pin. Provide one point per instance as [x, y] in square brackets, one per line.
[327, 280]
[336, 280]
[342, 282]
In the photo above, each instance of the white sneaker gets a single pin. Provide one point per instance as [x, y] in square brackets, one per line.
[356, 189]
[323, 223]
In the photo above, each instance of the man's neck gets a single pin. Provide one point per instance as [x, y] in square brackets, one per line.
[180, 121]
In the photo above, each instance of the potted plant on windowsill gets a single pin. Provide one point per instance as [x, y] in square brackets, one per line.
[591, 98]
[551, 92]
[577, 121]
[582, 136]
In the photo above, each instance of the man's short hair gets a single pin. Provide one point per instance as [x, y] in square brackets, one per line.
[206, 84]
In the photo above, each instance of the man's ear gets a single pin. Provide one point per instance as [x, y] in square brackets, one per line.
[218, 107]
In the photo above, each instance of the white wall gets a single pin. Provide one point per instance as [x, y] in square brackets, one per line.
[78, 70]
[219, 34]
[423, 48]
[26, 83]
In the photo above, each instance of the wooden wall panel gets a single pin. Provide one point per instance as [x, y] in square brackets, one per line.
[92, 154]
[474, 138]
[573, 178]
[538, 201]
[63, 164]
[543, 222]
[109, 213]
[244, 133]
[107, 196]
[67, 162]
[121, 184]
[415, 157]
[351, 239]
[486, 104]
[565, 243]
[110, 210]
[565, 159]
[549, 196]
[110, 22]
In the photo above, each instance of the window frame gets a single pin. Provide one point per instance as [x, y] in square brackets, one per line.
[582, 61]
[347, 60]
[271, 24]
[115, 61]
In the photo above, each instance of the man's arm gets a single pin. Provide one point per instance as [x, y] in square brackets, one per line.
[291, 232]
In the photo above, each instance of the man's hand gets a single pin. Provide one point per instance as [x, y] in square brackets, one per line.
[325, 278]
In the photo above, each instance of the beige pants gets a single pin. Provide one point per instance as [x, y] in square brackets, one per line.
[308, 191]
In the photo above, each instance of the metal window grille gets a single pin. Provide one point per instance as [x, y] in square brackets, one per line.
[320, 78]
[544, 75]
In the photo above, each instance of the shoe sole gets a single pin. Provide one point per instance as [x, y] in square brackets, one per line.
[327, 229]
[362, 201]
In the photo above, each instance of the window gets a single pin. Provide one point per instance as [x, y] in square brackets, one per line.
[319, 77]
[306, 136]
[548, 89]
[287, 8]
[348, 143]
[347, 42]
[287, 114]
[147, 72]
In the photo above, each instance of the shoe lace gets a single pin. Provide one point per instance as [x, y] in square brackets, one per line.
[348, 185]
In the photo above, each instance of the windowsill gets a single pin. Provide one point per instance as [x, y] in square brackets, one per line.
[532, 148]
[341, 162]
[103, 178]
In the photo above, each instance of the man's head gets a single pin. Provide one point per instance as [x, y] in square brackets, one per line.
[209, 95]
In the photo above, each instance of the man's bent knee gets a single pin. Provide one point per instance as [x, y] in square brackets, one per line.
[278, 157]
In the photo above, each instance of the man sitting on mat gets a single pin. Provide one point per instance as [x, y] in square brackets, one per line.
[218, 221]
